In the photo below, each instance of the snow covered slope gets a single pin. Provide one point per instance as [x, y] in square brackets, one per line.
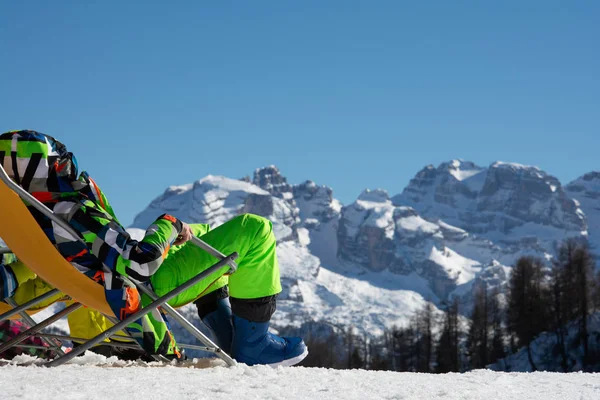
[378, 235]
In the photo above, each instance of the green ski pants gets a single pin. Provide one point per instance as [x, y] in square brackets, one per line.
[257, 275]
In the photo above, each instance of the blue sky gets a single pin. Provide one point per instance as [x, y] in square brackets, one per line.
[350, 94]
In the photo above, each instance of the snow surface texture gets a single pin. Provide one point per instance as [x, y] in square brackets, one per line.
[95, 377]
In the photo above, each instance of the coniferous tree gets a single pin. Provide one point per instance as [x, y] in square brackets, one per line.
[378, 350]
[389, 344]
[325, 350]
[424, 340]
[397, 360]
[477, 338]
[355, 350]
[414, 343]
[356, 361]
[447, 355]
[322, 352]
[527, 310]
[443, 352]
[404, 349]
[574, 271]
[366, 352]
[565, 269]
[597, 293]
[584, 279]
[497, 349]
[558, 316]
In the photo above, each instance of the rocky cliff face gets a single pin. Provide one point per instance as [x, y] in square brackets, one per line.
[366, 232]
[519, 209]
[586, 190]
[379, 236]
[459, 222]
[497, 199]
[319, 212]
[271, 180]
[514, 195]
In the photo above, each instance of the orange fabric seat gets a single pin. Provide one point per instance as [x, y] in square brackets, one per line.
[25, 238]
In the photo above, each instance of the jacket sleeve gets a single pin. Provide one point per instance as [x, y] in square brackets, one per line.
[112, 245]
[93, 191]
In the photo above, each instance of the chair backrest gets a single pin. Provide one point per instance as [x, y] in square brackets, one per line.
[26, 239]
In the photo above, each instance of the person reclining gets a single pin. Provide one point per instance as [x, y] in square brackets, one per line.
[237, 308]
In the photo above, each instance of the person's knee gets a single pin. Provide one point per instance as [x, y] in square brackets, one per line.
[209, 302]
[255, 223]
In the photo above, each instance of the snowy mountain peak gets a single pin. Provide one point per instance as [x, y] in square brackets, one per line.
[270, 179]
[375, 196]
[513, 171]
[308, 184]
[316, 197]
[212, 182]
[310, 188]
[463, 170]
[458, 164]
[591, 176]
[214, 200]
[505, 196]
[516, 166]
[520, 178]
[445, 184]
[589, 184]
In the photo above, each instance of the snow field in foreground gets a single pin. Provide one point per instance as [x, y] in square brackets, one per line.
[93, 377]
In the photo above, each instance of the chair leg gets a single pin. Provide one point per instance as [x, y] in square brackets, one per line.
[133, 317]
[210, 346]
[54, 345]
[34, 329]
[28, 305]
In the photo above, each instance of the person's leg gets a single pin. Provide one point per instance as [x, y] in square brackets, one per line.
[257, 276]
[151, 331]
[214, 309]
[253, 290]
[27, 286]
[86, 323]
[211, 295]
[253, 287]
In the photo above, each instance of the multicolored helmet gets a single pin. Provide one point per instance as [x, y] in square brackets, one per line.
[39, 164]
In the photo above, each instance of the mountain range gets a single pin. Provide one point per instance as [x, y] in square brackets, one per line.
[370, 264]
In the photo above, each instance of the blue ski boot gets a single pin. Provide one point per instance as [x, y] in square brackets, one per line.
[219, 322]
[254, 344]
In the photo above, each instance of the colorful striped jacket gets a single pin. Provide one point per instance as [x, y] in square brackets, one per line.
[43, 167]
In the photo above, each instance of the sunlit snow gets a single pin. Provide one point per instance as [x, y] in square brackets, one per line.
[95, 377]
